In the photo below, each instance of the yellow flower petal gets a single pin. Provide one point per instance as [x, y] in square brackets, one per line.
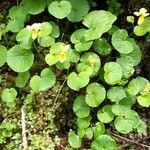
[140, 20]
[34, 34]
[62, 56]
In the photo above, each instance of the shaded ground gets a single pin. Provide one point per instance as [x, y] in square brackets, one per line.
[64, 117]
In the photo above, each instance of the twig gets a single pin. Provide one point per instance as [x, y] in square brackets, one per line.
[131, 141]
[58, 94]
[41, 57]
[23, 126]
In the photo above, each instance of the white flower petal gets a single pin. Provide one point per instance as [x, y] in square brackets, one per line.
[36, 26]
[147, 14]
[143, 11]
[136, 13]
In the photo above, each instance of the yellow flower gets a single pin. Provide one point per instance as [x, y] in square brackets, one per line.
[34, 28]
[92, 61]
[141, 14]
[63, 52]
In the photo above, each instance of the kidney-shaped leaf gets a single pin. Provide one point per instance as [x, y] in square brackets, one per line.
[24, 37]
[99, 22]
[101, 18]
[22, 79]
[19, 59]
[83, 122]
[77, 81]
[143, 28]
[79, 9]
[104, 142]
[79, 40]
[115, 94]
[105, 115]
[80, 107]
[102, 46]
[95, 94]
[59, 10]
[74, 139]
[9, 95]
[34, 6]
[99, 129]
[43, 82]
[113, 73]
[128, 122]
[121, 43]
[137, 85]
[144, 100]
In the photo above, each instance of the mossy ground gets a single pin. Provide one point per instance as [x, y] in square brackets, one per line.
[50, 116]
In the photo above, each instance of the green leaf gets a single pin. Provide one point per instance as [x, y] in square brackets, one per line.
[127, 123]
[103, 142]
[24, 37]
[83, 122]
[55, 30]
[130, 19]
[63, 65]
[60, 10]
[105, 115]
[46, 41]
[102, 46]
[115, 94]
[74, 139]
[77, 81]
[79, 40]
[113, 29]
[126, 63]
[6, 133]
[8, 126]
[17, 15]
[78, 10]
[89, 133]
[80, 108]
[43, 82]
[3, 55]
[135, 54]
[144, 100]
[45, 29]
[81, 132]
[22, 79]
[95, 94]
[123, 125]
[19, 59]
[120, 109]
[99, 129]
[90, 63]
[101, 18]
[137, 85]
[99, 22]
[142, 127]
[73, 55]
[51, 59]
[34, 6]
[143, 28]
[9, 95]
[113, 73]
[121, 43]
[15, 25]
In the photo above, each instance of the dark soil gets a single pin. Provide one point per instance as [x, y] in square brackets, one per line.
[65, 121]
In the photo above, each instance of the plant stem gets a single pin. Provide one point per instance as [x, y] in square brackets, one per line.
[23, 126]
